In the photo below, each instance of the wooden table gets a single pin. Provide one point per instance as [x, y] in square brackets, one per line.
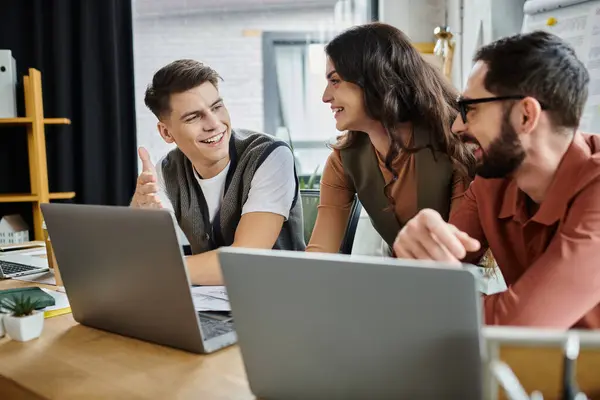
[71, 361]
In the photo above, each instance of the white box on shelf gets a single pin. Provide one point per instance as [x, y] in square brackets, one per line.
[8, 85]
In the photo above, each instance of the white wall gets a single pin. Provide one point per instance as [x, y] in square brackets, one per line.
[229, 42]
[419, 18]
[416, 18]
[485, 21]
[477, 30]
[455, 22]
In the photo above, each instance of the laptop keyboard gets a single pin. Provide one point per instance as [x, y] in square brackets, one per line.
[212, 328]
[8, 267]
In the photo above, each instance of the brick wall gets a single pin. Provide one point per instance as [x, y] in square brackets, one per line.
[229, 42]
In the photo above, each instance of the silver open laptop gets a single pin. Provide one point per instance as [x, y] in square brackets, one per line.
[124, 272]
[314, 326]
[13, 265]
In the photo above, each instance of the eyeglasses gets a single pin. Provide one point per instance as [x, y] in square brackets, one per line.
[463, 104]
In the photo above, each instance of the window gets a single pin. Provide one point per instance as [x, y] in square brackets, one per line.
[294, 80]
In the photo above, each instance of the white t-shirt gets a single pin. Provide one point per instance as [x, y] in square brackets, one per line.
[272, 189]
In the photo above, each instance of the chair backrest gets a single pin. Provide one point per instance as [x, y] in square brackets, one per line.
[348, 240]
[310, 202]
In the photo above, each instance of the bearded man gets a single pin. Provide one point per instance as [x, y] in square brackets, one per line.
[536, 200]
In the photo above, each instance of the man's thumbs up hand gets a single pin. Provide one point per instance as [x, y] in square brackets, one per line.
[146, 191]
[147, 165]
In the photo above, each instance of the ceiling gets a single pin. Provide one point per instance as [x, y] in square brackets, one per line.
[151, 8]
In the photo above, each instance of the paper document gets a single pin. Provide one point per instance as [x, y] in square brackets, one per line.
[210, 298]
[578, 23]
[33, 251]
[60, 300]
[16, 246]
[540, 6]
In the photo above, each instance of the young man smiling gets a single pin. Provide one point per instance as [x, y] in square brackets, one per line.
[226, 187]
[536, 201]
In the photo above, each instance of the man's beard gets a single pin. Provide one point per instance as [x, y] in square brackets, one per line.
[504, 155]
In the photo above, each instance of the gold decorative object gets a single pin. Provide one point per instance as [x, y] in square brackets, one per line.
[444, 48]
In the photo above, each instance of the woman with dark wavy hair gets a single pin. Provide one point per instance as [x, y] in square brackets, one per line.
[398, 152]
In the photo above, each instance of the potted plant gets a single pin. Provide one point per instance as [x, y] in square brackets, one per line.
[22, 321]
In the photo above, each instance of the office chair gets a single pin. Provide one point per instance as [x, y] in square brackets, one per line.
[310, 201]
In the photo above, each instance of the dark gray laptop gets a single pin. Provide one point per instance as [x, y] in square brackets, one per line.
[124, 272]
[315, 326]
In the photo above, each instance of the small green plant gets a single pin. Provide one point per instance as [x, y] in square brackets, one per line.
[312, 180]
[20, 306]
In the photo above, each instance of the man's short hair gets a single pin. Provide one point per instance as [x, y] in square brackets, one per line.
[541, 65]
[176, 77]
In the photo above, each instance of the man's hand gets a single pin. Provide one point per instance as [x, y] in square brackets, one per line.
[146, 190]
[428, 237]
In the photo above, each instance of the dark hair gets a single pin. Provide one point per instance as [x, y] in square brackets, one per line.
[541, 65]
[176, 77]
[398, 85]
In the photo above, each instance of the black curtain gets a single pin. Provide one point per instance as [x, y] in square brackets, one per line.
[84, 50]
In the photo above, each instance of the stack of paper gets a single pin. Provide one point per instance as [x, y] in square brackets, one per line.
[210, 298]
[61, 304]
